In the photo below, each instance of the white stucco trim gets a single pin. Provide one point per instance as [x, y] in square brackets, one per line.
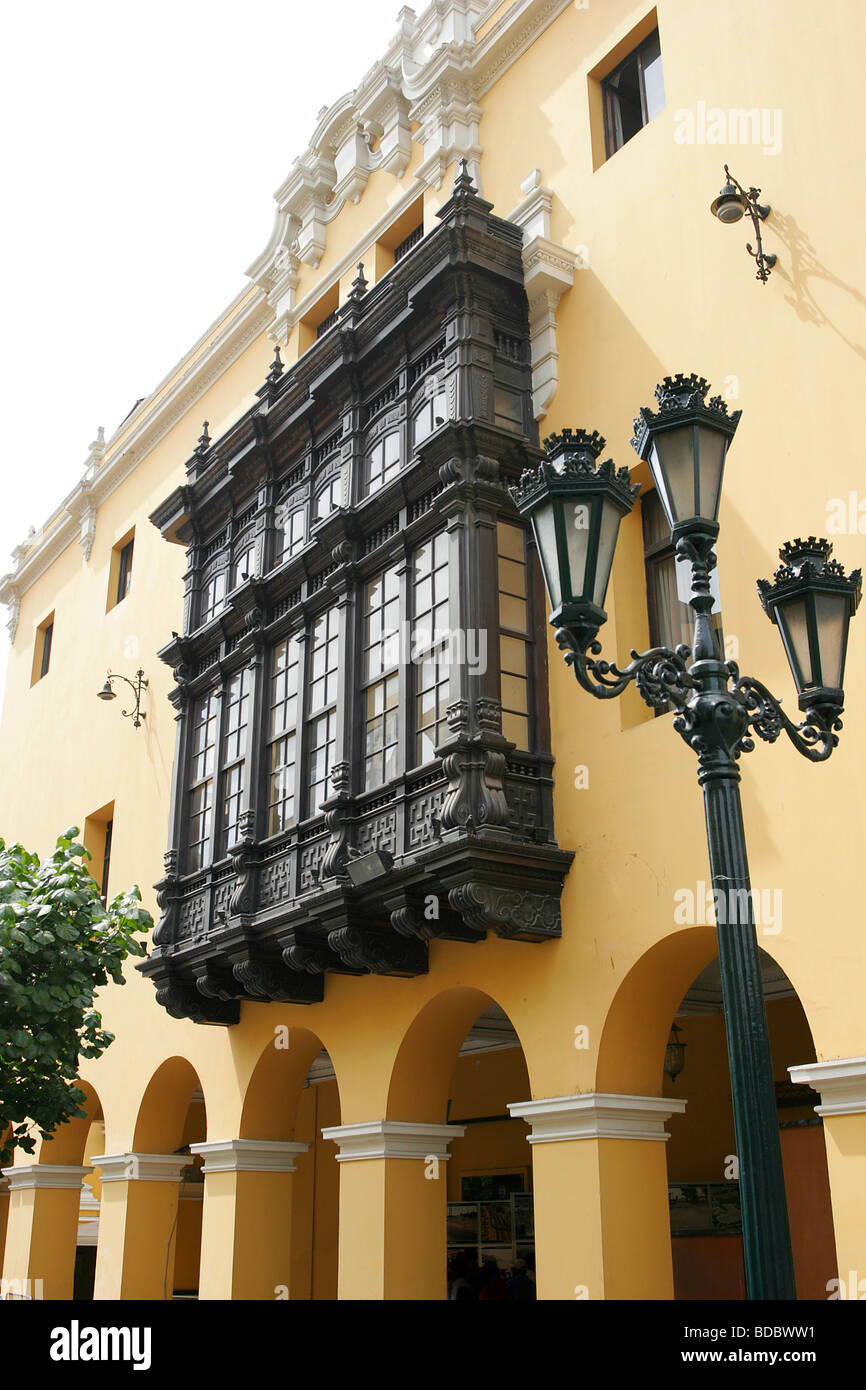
[841, 1084]
[141, 1167]
[248, 1155]
[392, 1139]
[597, 1116]
[53, 1175]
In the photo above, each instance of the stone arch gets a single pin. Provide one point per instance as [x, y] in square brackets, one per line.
[424, 1062]
[66, 1145]
[279, 1072]
[638, 1021]
[163, 1108]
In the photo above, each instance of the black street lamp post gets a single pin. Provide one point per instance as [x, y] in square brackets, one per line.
[576, 505]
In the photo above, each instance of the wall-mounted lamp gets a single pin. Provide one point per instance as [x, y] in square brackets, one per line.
[364, 868]
[732, 202]
[136, 686]
[675, 1054]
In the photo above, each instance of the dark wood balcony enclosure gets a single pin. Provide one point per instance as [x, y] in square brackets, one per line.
[342, 792]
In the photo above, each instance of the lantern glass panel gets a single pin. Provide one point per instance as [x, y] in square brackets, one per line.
[544, 526]
[794, 627]
[578, 518]
[831, 611]
[610, 519]
[711, 462]
[672, 461]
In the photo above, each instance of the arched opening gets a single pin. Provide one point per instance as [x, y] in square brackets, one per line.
[292, 1096]
[150, 1199]
[706, 1231]
[461, 1063]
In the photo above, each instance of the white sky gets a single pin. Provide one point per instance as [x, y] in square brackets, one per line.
[141, 146]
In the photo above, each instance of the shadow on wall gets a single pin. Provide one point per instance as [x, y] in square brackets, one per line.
[806, 268]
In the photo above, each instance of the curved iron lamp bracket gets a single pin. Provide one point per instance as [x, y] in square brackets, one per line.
[661, 675]
[815, 737]
[758, 212]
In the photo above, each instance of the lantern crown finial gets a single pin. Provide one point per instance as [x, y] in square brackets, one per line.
[682, 398]
[572, 456]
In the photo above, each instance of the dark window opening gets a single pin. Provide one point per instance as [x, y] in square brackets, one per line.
[633, 94]
[45, 661]
[106, 861]
[124, 572]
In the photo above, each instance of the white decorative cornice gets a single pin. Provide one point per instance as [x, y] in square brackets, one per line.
[53, 1175]
[548, 271]
[433, 72]
[597, 1116]
[434, 66]
[392, 1139]
[141, 1167]
[222, 344]
[841, 1084]
[248, 1155]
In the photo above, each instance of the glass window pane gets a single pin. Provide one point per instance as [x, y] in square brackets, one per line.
[510, 541]
[512, 655]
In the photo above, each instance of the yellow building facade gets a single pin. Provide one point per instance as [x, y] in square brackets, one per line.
[345, 1147]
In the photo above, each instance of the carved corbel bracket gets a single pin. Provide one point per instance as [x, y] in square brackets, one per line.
[272, 980]
[244, 861]
[380, 952]
[164, 931]
[306, 954]
[182, 1000]
[336, 819]
[473, 760]
[510, 912]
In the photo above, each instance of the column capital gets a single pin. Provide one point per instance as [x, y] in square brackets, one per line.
[841, 1084]
[597, 1115]
[248, 1155]
[29, 1175]
[392, 1139]
[141, 1167]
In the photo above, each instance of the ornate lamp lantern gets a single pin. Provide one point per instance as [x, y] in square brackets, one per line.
[685, 443]
[576, 506]
[812, 602]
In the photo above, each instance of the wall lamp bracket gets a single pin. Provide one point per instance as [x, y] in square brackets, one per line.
[136, 686]
[733, 201]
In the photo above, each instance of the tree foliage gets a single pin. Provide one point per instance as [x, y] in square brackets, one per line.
[58, 946]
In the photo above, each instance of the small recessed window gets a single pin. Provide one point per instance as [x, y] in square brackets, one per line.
[98, 835]
[633, 94]
[42, 649]
[120, 571]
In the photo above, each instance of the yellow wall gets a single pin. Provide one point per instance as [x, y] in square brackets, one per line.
[666, 288]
